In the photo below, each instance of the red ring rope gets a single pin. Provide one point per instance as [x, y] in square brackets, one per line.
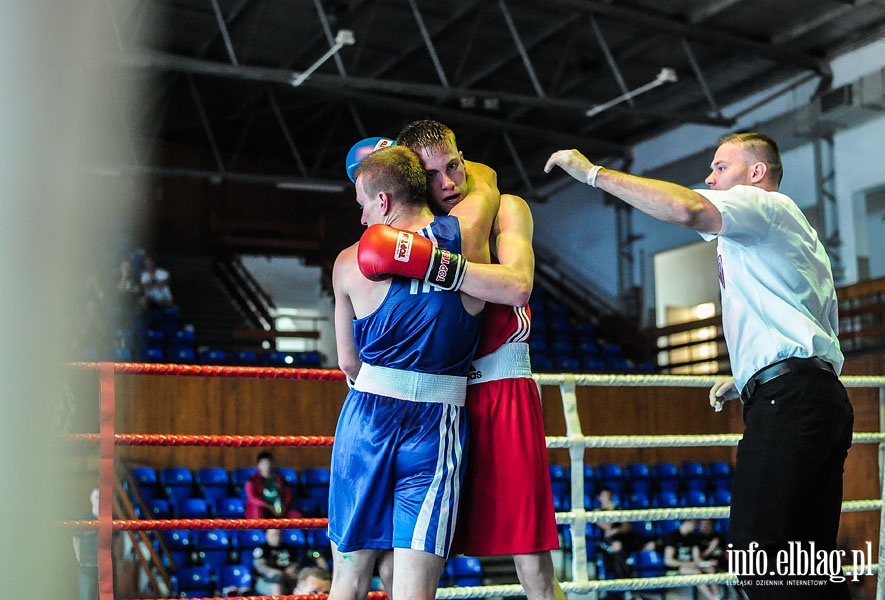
[220, 371]
[167, 524]
[246, 441]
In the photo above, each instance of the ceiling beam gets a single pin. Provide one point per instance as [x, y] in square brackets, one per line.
[714, 37]
[356, 85]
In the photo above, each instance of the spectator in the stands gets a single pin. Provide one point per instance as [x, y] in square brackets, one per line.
[155, 282]
[275, 565]
[267, 494]
[619, 540]
[682, 554]
[86, 551]
[313, 580]
[130, 294]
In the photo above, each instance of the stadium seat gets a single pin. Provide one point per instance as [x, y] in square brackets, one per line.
[720, 498]
[648, 563]
[151, 355]
[159, 509]
[466, 571]
[666, 477]
[240, 476]
[192, 508]
[693, 475]
[297, 538]
[246, 358]
[315, 483]
[719, 475]
[610, 475]
[234, 579]
[213, 483]
[213, 357]
[566, 364]
[194, 582]
[638, 476]
[665, 499]
[693, 498]
[214, 546]
[178, 483]
[290, 476]
[638, 500]
[184, 337]
[146, 480]
[248, 540]
[180, 543]
[231, 507]
[183, 355]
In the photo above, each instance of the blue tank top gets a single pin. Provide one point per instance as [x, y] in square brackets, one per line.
[419, 327]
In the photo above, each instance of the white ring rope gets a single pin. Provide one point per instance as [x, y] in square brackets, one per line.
[688, 512]
[604, 585]
[659, 441]
[611, 380]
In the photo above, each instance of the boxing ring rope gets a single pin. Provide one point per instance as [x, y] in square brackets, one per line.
[575, 441]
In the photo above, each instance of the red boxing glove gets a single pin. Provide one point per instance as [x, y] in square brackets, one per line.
[385, 251]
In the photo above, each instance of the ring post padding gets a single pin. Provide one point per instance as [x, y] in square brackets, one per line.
[576, 456]
[106, 482]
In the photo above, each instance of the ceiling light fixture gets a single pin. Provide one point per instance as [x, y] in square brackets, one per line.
[343, 38]
[311, 186]
[667, 75]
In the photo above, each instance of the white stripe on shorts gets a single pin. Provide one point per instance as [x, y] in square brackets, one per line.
[448, 477]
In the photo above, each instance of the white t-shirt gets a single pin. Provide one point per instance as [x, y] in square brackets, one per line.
[778, 295]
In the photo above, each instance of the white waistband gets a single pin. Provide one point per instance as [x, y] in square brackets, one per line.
[510, 361]
[411, 385]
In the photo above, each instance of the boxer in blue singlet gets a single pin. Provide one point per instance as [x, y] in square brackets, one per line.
[397, 457]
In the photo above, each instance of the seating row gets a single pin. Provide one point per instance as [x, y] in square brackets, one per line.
[646, 479]
[215, 491]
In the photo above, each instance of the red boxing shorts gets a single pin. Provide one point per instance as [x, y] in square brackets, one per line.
[506, 501]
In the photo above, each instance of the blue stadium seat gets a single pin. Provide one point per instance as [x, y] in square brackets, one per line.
[231, 507]
[182, 355]
[246, 358]
[277, 359]
[611, 475]
[648, 563]
[566, 364]
[159, 509]
[297, 538]
[638, 500]
[146, 480]
[665, 499]
[466, 571]
[720, 498]
[239, 477]
[184, 337]
[178, 483]
[693, 475]
[180, 543]
[213, 483]
[194, 582]
[638, 476]
[667, 526]
[541, 362]
[192, 508]
[719, 475]
[151, 355]
[213, 356]
[693, 498]
[215, 547]
[290, 476]
[234, 580]
[248, 540]
[666, 477]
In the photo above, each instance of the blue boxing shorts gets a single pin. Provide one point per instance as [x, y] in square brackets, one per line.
[397, 462]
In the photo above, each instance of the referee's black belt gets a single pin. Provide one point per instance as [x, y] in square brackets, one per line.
[782, 367]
